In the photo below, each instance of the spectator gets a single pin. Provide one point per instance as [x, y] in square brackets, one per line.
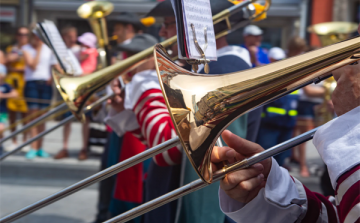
[38, 60]
[89, 53]
[69, 35]
[88, 62]
[279, 117]
[310, 96]
[5, 92]
[252, 41]
[15, 78]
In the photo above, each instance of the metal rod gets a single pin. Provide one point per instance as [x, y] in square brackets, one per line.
[66, 120]
[40, 135]
[199, 184]
[34, 122]
[93, 179]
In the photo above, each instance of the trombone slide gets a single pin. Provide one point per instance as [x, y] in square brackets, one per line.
[199, 184]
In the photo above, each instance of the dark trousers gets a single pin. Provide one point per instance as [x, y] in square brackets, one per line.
[253, 124]
[105, 188]
[161, 180]
[270, 136]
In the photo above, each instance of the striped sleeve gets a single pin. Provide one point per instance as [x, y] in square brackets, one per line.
[285, 199]
[156, 126]
[347, 196]
[344, 208]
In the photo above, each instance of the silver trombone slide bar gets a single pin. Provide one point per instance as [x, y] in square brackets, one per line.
[34, 122]
[199, 184]
[92, 179]
[66, 120]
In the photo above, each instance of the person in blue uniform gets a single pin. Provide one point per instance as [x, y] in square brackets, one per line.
[278, 117]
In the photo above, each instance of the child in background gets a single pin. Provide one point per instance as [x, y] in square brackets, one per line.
[5, 92]
[88, 62]
[89, 53]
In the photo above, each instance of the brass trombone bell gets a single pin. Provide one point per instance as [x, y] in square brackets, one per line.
[203, 106]
[333, 32]
[95, 9]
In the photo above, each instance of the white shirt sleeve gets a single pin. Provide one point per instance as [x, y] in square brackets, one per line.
[122, 122]
[274, 204]
[338, 143]
[53, 60]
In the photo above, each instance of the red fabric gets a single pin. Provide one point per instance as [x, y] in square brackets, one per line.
[108, 128]
[352, 195]
[156, 125]
[344, 176]
[349, 200]
[129, 183]
[331, 212]
[314, 207]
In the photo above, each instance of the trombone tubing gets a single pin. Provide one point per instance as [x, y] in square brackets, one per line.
[139, 157]
[93, 179]
[199, 184]
[66, 120]
[34, 122]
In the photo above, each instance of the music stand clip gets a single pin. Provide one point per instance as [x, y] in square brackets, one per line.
[195, 62]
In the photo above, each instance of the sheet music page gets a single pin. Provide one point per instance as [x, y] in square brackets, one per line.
[66, 56]
[198, 12]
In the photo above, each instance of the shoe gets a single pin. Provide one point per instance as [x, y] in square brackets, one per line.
[83, 155]
[10, 147]
[25, 149]
[41, 153]
[31, 154]
[61, 154]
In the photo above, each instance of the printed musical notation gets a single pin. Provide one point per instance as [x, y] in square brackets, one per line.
[198, 13]
[50, 35]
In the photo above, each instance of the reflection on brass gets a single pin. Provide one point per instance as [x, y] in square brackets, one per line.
[216, 100]
[333, 32]
[330, 33]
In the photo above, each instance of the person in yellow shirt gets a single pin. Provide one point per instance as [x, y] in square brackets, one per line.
[15, 78]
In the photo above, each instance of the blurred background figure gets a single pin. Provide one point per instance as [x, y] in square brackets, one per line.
[38, 88]
[309, 97]
[15, 78]
[88, 62]
[6, 92]
[88, 53]
[127, 25]
[69, 35]
[252, 42]
[279, 117]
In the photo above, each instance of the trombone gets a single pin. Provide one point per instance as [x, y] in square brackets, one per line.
[113, 71]
[234, 94]
[77, 90]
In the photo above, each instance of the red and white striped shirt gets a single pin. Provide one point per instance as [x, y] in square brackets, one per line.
[146, 116]
[156, 126]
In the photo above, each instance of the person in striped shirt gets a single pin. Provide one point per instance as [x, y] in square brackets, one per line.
[140, 109]
[266, 192]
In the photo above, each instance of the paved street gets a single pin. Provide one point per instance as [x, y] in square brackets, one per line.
[24, 182]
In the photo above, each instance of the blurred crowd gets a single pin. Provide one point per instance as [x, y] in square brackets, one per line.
[26, 89]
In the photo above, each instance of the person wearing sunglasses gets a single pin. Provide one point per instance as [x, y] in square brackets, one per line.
[15, 78]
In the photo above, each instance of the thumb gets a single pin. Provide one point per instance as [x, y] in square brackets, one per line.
[242, 146]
